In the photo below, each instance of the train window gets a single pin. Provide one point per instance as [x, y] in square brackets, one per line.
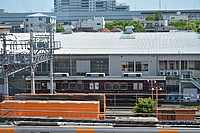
[123, 86]
[96, 86]
[140, 86]
[80, 85]
[107, 85]
[91, 86]
[28, 86]
[65, 85]
[116, 86]
[135, 86]
[37, 86]
[54, 85]
[72, 85]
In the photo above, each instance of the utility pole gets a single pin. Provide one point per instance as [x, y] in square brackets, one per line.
[159, 4]
[32, 64]
[38, 48]
[5, 68]
[51, 60]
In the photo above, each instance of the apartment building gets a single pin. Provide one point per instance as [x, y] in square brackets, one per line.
[89, 6]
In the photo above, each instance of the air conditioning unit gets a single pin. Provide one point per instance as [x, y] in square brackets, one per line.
[162, 73]
[175, 73]
[168, 73]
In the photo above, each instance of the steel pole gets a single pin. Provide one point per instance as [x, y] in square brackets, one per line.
[156, 102]
[51, 62]
[32, 64]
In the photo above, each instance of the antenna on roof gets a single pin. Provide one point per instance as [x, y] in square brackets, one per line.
[159, 4]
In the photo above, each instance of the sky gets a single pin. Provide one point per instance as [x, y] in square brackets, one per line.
[136, 5]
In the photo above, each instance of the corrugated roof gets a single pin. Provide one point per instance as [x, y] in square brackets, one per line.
[110, 43]
[145, 43]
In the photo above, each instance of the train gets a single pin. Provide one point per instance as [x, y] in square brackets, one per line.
[118, 89]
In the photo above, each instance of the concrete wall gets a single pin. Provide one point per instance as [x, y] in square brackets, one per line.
[115, 63]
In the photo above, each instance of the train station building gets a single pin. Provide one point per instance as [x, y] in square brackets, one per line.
[174, 55]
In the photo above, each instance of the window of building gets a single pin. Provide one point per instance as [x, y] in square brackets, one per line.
[172, 17]
[98, 23]
[191, 65]
[127, 66]
[183, 65]
[145, 66]
[40, 19]
[171, 65]
[162, 65]
[107, 85]
[123, 86]
[26, 19]
[65, 85]
[197, 65]
[130, 66]
[138, 66]
[72, 85]
[124, 66]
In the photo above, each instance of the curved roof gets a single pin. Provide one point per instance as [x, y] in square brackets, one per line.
[144, 43]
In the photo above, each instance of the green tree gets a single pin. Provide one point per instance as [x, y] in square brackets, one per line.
[185, 25]
[155, 17]
[60, 28]
[180, 24]
[190, 26]
[158, 16]
[151, 17]
[109, 25]
[144, 105]
[121, 24]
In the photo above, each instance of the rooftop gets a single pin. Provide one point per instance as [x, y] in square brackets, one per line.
[112, 43]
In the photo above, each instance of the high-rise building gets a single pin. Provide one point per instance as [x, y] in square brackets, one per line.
[89, 6]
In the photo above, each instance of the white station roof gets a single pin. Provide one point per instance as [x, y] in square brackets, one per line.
[112, 43]
[144, 43]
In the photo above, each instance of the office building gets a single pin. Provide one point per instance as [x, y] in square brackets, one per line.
[89, 6]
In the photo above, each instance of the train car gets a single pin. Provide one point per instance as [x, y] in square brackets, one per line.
[115, 87]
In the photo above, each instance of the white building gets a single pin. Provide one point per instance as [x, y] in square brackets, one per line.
[89, 6]
[39, 22]
[178, 17]
[95, 24]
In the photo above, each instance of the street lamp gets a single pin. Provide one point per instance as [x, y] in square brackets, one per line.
[157, 89]
[152, 82]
